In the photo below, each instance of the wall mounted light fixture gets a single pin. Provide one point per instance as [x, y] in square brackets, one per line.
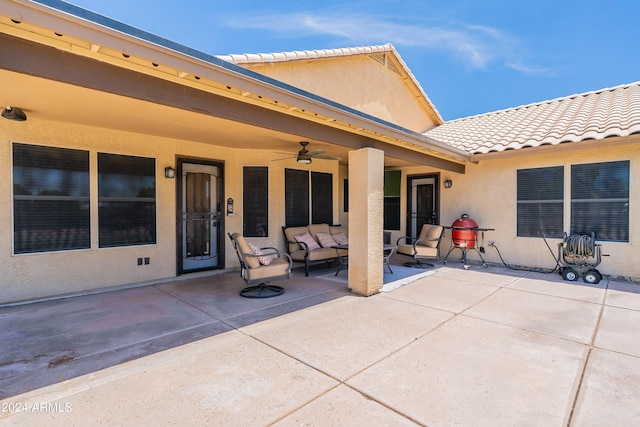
[448, 183]
[169, 172]
[13, 113]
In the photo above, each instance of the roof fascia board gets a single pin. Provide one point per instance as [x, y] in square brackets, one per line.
[557, 148]
[86, 25]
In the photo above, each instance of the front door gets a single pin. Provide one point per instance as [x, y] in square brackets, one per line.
[200, 222]
[422, 203]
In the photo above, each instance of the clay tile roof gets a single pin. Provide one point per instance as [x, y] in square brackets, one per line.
[611, 112]
[249, 58]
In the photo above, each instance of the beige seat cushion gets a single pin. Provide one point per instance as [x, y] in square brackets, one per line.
[431, 233]
[278, 267]
[421, 251]
[243, 246]
[322, 254]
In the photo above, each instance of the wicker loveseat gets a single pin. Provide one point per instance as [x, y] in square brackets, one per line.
[309, 253]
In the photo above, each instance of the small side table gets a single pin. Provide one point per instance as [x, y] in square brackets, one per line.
[387, 251]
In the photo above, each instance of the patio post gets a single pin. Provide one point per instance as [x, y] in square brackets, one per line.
[366, 210]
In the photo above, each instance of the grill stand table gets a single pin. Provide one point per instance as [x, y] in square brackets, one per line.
[466, 245]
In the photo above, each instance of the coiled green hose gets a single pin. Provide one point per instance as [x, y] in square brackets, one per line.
[579, 245]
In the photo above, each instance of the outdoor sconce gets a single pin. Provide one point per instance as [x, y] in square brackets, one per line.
[13, 113]
[448, 183]
[169, 172]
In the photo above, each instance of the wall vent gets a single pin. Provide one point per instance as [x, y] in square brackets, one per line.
[386, 60]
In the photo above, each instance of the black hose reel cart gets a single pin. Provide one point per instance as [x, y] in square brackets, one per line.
[580, 254]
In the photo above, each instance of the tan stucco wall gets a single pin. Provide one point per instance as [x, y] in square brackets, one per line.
[487, 192]
[31, 276]
[358, 82]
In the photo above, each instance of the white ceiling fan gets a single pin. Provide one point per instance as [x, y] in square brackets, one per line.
[305, 156]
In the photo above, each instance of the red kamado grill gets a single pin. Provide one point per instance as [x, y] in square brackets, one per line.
[464, 236]
[464, 232]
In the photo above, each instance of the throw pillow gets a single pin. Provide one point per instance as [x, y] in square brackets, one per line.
[341, 239]
[326, 241]
[264, 260]
[308, 240]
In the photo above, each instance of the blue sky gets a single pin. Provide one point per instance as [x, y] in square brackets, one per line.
[470, 56]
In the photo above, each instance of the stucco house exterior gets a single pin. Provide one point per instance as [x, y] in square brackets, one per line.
[138, 155]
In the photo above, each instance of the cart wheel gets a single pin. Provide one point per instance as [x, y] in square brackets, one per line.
[592, 277]
[570, 274]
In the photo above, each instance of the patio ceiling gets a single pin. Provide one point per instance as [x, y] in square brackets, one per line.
[181, 96]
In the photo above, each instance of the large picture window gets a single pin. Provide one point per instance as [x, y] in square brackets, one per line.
[126, 200]
[540, 202]
[308, 197]
[600, 200]
[255, 201]
[50, 199]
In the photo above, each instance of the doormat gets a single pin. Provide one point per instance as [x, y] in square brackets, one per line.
[401, 276]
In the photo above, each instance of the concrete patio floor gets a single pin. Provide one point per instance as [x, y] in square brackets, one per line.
[475, 347]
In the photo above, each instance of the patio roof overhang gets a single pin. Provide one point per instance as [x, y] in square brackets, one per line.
[153, 86]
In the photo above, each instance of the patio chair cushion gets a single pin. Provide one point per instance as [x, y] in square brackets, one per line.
[308, 240]
[264, 260]
[291, 233]
[252, 262]
[326, 240]
[278, 267]
[431, 233]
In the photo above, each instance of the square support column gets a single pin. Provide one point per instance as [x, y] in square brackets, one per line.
[366, 219]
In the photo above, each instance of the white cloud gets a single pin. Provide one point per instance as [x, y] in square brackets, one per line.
[478, 47]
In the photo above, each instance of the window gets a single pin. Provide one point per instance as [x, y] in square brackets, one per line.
[305, 205]
[321, 198]
[126, 200]
[50, 199]
[345, 202]
[392, 200]
[296, 195]
[600, 200]
[255, 201]
[540, 202]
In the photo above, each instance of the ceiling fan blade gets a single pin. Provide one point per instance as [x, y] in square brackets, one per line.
[314, 153]
[285, 158]
[326, 157]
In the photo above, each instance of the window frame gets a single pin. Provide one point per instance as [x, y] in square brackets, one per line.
[122, 165]
[299, 201]
[77, 235]
[579, 180]
[526, 218]
[252, 197]
[608, 220]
